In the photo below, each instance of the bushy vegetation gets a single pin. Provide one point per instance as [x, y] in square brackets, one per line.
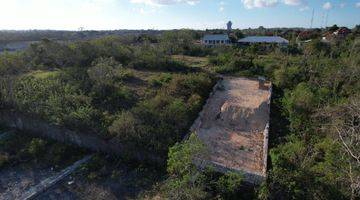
[187, 181]
[135, 92]
[136, 95]
[314, 120]
[311, 150]
[20, 148]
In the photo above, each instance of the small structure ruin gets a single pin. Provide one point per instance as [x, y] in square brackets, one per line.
[234, 125]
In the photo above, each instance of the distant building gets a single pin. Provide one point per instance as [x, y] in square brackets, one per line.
[229, 27]
[216, 39]
[264, 40]
[327, 37]
[307, 35]
[339, 34]
[342, 32]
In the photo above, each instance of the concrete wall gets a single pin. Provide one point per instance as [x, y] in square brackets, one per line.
[250, 178]
[32, 125]
[197, 122]
[266, 135]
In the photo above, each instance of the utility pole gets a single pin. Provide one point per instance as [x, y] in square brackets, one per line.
[322, 20]
[326, 19]
[312, 18]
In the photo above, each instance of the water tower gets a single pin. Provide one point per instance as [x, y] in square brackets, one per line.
[229, 24]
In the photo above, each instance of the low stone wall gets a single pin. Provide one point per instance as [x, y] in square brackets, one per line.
[266, 135]
[265, 148]
[250, 178]
[32, 125]
[197, 122]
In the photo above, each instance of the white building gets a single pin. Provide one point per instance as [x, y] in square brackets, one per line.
[264, 40]
[216, 39]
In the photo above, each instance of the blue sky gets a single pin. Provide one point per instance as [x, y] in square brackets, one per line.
[174, 14]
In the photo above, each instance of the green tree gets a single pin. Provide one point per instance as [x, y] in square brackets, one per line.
[185, 180]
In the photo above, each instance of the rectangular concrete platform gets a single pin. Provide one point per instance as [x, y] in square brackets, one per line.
[234, 126]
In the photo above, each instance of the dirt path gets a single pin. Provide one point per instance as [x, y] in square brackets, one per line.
[15, 180]
[129, 184]
[45, 184]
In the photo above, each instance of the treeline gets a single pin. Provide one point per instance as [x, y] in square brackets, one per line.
[37, 35]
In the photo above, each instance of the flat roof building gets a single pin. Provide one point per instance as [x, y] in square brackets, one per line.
[215, 39]
[263, 39]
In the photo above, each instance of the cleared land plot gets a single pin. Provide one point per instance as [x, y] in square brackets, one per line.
[232, 125]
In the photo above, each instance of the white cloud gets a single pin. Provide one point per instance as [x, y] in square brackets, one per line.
[357, 5]
[222, 6]
[294, 2]
[249, 4]
[164, 2]
[342, 5]
[327, 6]
[304, 8]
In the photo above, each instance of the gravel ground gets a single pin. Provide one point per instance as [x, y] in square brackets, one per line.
[127, 186]
[15, 180]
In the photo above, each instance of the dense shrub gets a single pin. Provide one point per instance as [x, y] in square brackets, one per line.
[159, 122]
[12, 64]
[112, 46]
[185, 86]
[188, 181]
[49, 54]
[158, 127]
[221, 59]
[151, 58]
[289, 76]
[107, 71]
[176, 42]
[124, 126]
[160, 80]
[48, 95]
[316, 47]
[299, 104]
[37, 147]
[4, 159]
[197, 50]
[229, 185]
